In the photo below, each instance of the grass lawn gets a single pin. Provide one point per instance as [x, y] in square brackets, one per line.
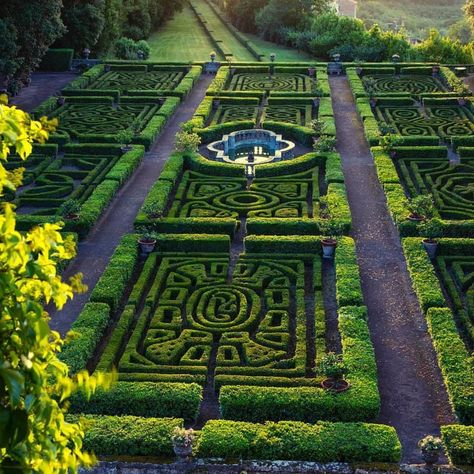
[181, 39]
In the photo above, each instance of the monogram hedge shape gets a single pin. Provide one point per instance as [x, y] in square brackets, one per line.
[292, 196]
[70, 177]
[411, 84]
[452, 187]
[457, 276]
[126, 81]
[196, 315]
[278, 82]
[444, 121]
[102, 119]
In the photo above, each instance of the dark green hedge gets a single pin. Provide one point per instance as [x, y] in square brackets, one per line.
[130, 435]
[459, 444]
[57, 60]
[286, 440]
[147, 399]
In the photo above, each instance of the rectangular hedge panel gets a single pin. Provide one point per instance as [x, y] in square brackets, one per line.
[458, 441]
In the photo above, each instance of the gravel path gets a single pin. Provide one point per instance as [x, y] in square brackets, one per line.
[95, 251]
[414, 399]
[43, 85]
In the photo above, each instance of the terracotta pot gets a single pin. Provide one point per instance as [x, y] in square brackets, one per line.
[147, 246]
[431, 247]
[329, 247]
[335, 385]
[430, 457]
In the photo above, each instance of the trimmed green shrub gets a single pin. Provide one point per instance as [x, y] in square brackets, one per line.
[459, 441]
[57, 60]
[286, 440]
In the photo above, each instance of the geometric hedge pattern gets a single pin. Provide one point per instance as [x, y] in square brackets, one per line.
[443, 121]
[231, 113]
[295, 114]
[452, 187]
[125, 81]
[278, 82]
[80, 119]
[195, 316]
[457, 276]
[411, 84]
[291, 196]
[68, 177]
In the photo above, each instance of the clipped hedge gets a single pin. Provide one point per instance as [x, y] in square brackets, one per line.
[131, 435]
[459, 444]
[147, 399]
[57, 60]
[286, 440]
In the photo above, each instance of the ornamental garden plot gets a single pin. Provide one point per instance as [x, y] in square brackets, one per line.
[253, 326]
[445, 291]
[194, 194]
[412, 171]
[89, 175]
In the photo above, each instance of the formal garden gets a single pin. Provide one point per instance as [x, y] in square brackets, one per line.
[278, 248]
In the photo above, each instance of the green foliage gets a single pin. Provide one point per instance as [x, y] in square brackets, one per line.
[126, 48]
[458, 441]
[57, 60]
[286, 440]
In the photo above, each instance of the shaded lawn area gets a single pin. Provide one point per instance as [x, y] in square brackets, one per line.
[180, 40]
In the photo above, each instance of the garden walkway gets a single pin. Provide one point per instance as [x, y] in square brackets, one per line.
[95, 251]
[43, 86]
[414, 399]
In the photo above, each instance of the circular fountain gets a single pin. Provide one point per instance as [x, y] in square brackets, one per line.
[263, 146]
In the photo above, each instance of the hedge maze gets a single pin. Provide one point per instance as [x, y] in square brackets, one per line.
[410, 84]
[442, 121]
[282, 82]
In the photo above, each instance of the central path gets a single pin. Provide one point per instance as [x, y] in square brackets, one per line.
[95, 251]
[414, 399]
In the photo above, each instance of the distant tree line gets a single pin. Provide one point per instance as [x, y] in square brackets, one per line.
[28, 29]
[312, 26]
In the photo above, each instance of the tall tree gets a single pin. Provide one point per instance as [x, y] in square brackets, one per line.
[34, 384]
[469, 12]
[33, 26]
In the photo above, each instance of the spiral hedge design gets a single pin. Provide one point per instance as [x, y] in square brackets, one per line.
[411, 84]
[278, 82]
[443, 121]
[298, 115]
[101, 119]
[233, 113]
[126, 81]
[457, 276]
[70, 177]
[255, 320]
[452, 187]
[201, 195]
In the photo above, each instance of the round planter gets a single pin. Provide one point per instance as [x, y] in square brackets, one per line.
[462, 102]
[335, 385]
[311, 72]
[329, 247]
[359, 71]
[431, 246]
[155, 215]
[147, 246]
[373, 103]
[182, 451]
[72, 217]
[415, 218]
[126, 148]
[430, 457]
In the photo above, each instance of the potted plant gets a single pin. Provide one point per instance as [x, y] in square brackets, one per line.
[430, 230]
[152, 210]
[331, 229]
[69, 209]
[370, 87]
[421, 207]
[358, 67]
[212, 55]
[334, 368]
[324, 144]
[147, 241]
[435, 70]
[430, 447]
[311, 71]
[462, 91]
[182, 440]
[124, 137]
[389, 141]
[187, 142]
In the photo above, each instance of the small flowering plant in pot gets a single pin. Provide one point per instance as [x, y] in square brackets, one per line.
[389, 141]
[370, 85]
[331, 229]
[124, 138]
[147, 241]
[420, 207]
[430, 447]
[334, 368]
[69, 209]
[152, 210]
[430, 230]
[182, 440]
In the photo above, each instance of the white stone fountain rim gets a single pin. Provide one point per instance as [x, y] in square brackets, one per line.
[226, 139]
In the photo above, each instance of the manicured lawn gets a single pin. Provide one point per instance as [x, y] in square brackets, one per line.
[181, 39]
